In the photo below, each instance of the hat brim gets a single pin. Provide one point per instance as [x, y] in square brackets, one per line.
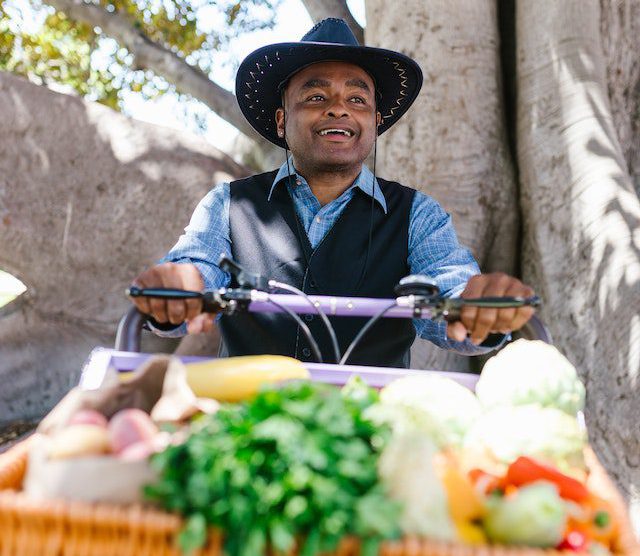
[398, 79]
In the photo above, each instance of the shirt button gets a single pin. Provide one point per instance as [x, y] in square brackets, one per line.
[298, 182]
[318, 219]
[308, 318]
[306, 352]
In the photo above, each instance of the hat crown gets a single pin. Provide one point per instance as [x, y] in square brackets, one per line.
[331, 30]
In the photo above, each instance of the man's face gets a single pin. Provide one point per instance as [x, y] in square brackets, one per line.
[330, 121]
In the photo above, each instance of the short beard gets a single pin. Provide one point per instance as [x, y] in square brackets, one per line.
[305, 165]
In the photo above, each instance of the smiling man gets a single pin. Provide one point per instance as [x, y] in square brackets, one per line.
[323, 222]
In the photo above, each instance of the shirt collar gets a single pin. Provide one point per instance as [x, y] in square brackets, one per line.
[362, 182]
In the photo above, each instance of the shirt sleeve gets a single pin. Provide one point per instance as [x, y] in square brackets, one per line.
[434, 251]
[204, 240]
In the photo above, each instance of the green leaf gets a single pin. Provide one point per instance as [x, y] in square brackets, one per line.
[194, 534]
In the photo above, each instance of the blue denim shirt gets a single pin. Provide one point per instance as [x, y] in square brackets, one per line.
[433, 246]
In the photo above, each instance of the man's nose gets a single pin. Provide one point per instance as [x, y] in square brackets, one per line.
[338, 108]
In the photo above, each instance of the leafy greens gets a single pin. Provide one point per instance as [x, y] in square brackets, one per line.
[296, 466]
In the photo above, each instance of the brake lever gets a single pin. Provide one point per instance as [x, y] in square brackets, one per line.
[245, 279]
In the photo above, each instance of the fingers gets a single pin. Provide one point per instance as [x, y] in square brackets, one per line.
[456, 331]
[170, 275]
[480, 322]
[141, 303]
[487, 319]
[200, 323]
[523, 314]
[468, 315]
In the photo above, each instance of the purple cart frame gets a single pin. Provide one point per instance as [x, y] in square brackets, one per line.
[102, 360]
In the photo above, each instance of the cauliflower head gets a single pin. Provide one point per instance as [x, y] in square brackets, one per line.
[406, 469]
[436, 406]
[544, 433]
[531, 372]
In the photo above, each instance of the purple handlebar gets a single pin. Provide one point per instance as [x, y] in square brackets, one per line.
[335, 306]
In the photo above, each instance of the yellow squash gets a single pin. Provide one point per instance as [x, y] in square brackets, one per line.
[466, 507]
[233, 379]
[470, 533]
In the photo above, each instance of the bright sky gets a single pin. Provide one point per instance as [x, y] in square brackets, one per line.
[293, 21]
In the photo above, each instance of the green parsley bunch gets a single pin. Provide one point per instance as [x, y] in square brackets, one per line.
[296, 466]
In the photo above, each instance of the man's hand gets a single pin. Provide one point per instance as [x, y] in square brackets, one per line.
[171, 275]
[479, 323]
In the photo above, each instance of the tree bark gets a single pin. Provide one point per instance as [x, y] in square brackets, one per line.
[453, 145]
[88, 199]
[620, 32]
[581, 220]
[321, 9]
[162, 61]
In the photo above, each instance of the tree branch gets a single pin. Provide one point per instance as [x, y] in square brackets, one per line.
[321, 9]
[155, 57]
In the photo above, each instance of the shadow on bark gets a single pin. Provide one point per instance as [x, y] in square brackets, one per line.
[583, 218]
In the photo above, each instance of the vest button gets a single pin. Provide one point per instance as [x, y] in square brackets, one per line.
[306, 352]
[313, 284]
[308, 318]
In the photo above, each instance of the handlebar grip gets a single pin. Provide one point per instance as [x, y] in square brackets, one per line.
[453, 307]
[502, 302]
[162, 293]
[211, 302]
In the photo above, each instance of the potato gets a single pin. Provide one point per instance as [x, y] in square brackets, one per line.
[130, 426]
[88, 417]
[79, 440]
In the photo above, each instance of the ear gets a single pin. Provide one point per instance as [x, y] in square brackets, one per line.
[378, 118]
[280, 122]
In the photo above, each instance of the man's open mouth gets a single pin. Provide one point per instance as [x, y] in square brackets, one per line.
[335, 131]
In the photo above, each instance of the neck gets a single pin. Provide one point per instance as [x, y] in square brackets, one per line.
[328, 184]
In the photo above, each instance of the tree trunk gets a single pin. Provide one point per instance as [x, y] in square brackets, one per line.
[620, 32]
[453, 144]
[581, 219]
[88, 198]
[321, 9]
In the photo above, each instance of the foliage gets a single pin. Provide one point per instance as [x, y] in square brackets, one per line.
[296, 463]
[62, 51]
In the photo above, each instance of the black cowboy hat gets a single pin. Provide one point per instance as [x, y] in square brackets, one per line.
[264, 72]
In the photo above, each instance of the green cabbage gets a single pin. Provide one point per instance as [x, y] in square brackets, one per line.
[531, 372]
[541, 432]
[438, 407]
[534, 516]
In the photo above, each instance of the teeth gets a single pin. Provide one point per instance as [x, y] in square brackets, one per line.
[343, 131]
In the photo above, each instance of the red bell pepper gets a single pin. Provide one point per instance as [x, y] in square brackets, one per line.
[525, 470]
[573, 540]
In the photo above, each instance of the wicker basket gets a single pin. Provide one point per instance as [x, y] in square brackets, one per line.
[58, 528]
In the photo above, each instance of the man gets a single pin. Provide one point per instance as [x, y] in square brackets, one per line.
[323, 222]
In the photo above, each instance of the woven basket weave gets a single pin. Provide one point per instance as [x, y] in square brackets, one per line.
[31, 527]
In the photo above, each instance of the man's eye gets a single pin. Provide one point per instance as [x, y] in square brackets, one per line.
[358, 100]
[316, 97]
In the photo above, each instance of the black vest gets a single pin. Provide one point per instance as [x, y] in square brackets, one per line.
[267, 238]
